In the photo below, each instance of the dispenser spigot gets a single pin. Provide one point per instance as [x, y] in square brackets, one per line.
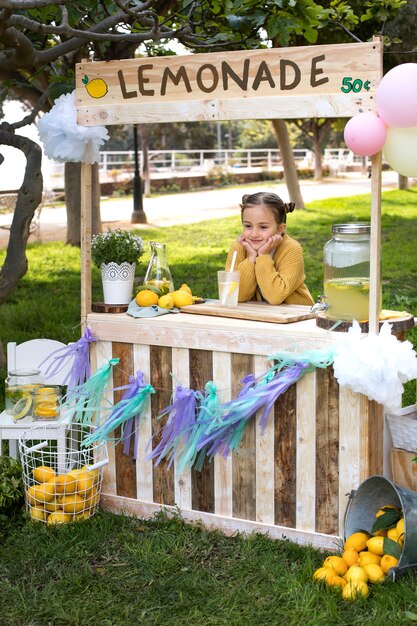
[320, 305]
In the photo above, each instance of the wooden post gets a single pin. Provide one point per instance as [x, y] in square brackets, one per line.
[86, 202]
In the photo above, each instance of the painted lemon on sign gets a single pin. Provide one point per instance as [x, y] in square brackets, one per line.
[96, 88]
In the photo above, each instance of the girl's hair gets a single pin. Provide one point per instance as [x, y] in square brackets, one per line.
[271, 201]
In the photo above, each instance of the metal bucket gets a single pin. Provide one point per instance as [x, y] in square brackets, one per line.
[370, 496]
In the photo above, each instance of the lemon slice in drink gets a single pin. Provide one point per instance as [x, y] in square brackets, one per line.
[22, 407]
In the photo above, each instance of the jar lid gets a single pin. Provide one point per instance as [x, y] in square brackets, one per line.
[352, 228]
[27, 372]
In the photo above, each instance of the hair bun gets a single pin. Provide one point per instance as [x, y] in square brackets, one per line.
[289, 207]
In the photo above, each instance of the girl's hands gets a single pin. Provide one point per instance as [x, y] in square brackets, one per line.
[251, 252]
[270, 244]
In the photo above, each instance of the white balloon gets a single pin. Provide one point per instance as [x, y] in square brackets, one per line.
[400, 150]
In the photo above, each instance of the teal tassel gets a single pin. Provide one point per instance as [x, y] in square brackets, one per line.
[85, 402]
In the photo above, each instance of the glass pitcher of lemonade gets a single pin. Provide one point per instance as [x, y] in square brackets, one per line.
[346, 272]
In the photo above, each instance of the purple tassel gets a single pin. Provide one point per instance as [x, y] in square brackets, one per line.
[79, 352]
[176, 432]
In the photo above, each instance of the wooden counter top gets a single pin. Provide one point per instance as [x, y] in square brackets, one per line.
[211, 333]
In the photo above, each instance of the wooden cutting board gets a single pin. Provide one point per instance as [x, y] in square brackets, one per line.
[257, 311]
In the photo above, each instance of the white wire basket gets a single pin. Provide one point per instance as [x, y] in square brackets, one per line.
[62, 478]
[403, 428]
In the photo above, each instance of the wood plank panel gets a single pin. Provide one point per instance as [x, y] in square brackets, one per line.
[349, 447]
[306, 452]
[144, 473]
[101, 353]
[327, 451]
[201, 371]
[376, 438]
[181, 376]
[285, 457]
[125, 463]
[404, 469]
[264, 445]
[244, 459]
[223, 477]
[161, 367]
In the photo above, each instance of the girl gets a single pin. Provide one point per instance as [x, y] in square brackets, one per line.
[270, 262]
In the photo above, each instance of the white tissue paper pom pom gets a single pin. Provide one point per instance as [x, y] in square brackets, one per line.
[375, 365]
[65, 140]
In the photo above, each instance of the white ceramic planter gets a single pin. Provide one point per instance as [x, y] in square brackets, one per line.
[117, 282]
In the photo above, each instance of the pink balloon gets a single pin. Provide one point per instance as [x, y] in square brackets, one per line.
[396, 96]
[365, 134]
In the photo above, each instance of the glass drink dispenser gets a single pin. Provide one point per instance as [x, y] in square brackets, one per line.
[346, 272]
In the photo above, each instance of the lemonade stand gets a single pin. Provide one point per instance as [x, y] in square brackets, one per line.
[320, 440]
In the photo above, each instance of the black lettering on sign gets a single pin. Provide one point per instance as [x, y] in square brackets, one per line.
[283, 65]
[142, 80]
[180, 75]
[241, 81]
[126, 94]
[262, 74]
[214, 78]
[315, 71]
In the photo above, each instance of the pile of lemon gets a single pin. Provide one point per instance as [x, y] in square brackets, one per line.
[62, 498]
[366, 557]
[150, 294]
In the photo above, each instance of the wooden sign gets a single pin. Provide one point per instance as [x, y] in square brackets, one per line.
[308, 81]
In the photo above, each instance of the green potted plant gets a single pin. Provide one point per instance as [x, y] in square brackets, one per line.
[116, 253]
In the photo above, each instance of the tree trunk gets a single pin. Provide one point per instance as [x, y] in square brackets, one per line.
[290, 171]
[144, 144]
[29, 198]
[73, 202]
[403, 182]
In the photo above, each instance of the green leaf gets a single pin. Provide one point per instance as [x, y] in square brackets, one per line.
[411, 616]
[387, 520]
[392, 548]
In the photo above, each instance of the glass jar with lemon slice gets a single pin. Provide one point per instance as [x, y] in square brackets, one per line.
[46, 403]
[19, 387]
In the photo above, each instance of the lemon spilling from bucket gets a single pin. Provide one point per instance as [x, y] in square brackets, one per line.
[367, 557]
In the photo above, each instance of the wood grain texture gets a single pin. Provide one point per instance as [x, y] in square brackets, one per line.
[327, 451]
[376, 438]
[86, 233]
[244, 459]
[350, 419]
[223, 474]
[306, 452]
[144, 472]
[201, 371]
[264, 445]
[257, 311]
[181, 376]
[404, 469]
[101, 353]
[125, 463]
[161, 367]
[285, 414]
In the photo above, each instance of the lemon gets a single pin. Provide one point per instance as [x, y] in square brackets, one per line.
[368, 558]
[323, 573]
[166, 302]
[43, 473]
[37, 514]
[386, 506]
[64, 483]
[400, 527]
[376, 545]
[22, 407]
[336, 563]
[84, 483]
[392, 534]
[185, 287]
[388, 561]
[350, 556]
[30, 495]
[52, 506]
[46, 409]
[79, 517]
[59, 517]
[336, 581]
[96, 88]
[182, 298]
[375, 573]
[354, 590]
[72, 503]
[92, 501]
[355, 573]
[44, 492]
[357, 541]
[146, 297]
[381, 533]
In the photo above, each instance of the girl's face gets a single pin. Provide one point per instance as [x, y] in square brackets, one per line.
[259, 224]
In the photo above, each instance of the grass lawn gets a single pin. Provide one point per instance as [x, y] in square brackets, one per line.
[111, 570]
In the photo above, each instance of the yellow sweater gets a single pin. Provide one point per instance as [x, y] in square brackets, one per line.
[279, 278]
